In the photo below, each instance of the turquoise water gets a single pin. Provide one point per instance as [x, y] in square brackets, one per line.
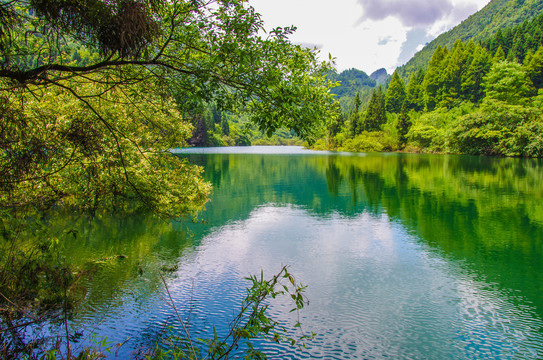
[404, 256]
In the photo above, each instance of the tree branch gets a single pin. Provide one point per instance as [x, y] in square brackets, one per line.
[37, 73]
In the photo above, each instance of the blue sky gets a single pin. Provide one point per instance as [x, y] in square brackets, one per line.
[366, 34]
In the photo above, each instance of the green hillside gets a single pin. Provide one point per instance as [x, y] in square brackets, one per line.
[498, 14]
[350, 81]
[481, 97]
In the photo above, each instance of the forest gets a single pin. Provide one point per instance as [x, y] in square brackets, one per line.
[453, 102]
[480, 98]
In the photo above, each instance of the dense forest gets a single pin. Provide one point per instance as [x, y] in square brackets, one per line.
[473, 97]
[513, 25]
[496, 15]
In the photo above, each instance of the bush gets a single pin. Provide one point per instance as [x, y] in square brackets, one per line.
[498, 129]
[320, 144]
[527, 140]
[376, 141]
[426, 136]
[475, 134]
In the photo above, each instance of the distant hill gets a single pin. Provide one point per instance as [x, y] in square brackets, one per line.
[380, 76]
[495, 15]
[351, 81]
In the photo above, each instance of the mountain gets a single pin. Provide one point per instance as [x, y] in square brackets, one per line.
[380, 76]
[351, 81]
[497, 14]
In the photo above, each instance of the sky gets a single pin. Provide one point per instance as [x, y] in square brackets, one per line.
[366, 34]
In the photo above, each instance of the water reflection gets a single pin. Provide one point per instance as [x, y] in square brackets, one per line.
[408, 256]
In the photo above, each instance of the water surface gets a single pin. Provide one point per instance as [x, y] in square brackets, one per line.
[404, 256]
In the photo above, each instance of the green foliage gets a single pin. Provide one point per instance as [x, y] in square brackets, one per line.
[357, 102]
[375, 141]
[496, 16]
[527, 140]
[415, 92]
[455, 66]
[423, 136]
[498, 128]
[395, 94]
[251, 323]
[375, 114]
[476, 134]
[472, 85]
[350, 82]
[86, 157]
[433, 78]
[499, 55]
[508, 82]
[533, 64]
[403, 125]
[225, 127]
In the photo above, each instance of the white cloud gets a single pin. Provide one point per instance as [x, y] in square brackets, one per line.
[409, 12]
[366, 34]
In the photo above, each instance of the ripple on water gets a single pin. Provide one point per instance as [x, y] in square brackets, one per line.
[374, 293]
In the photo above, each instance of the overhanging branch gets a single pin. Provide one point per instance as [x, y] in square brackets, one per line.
[28, 76]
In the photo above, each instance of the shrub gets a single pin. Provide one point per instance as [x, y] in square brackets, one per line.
[376, 141]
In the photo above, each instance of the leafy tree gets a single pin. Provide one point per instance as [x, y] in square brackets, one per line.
[403, 126]
[335, 125]
[375, 141]
[472, 84]
[355, 122]
[225, 127]
[533, 64]
[519, 47]
[497, 129]
[504, 124]
[509, 83]
[95, 134]
[508, 36]
[197, 51]
[200, 137]
[217, 114]
[499, 55]
[433, 78]
[536, 37]
[415, 91]
[497, 42]
[375, 115]
[356, 125]
[527, 140]
[423, 135]
[75, 151]
[395, 95]
[357, 102]
[452, 74]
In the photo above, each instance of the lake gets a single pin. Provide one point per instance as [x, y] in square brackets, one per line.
[405, 256]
